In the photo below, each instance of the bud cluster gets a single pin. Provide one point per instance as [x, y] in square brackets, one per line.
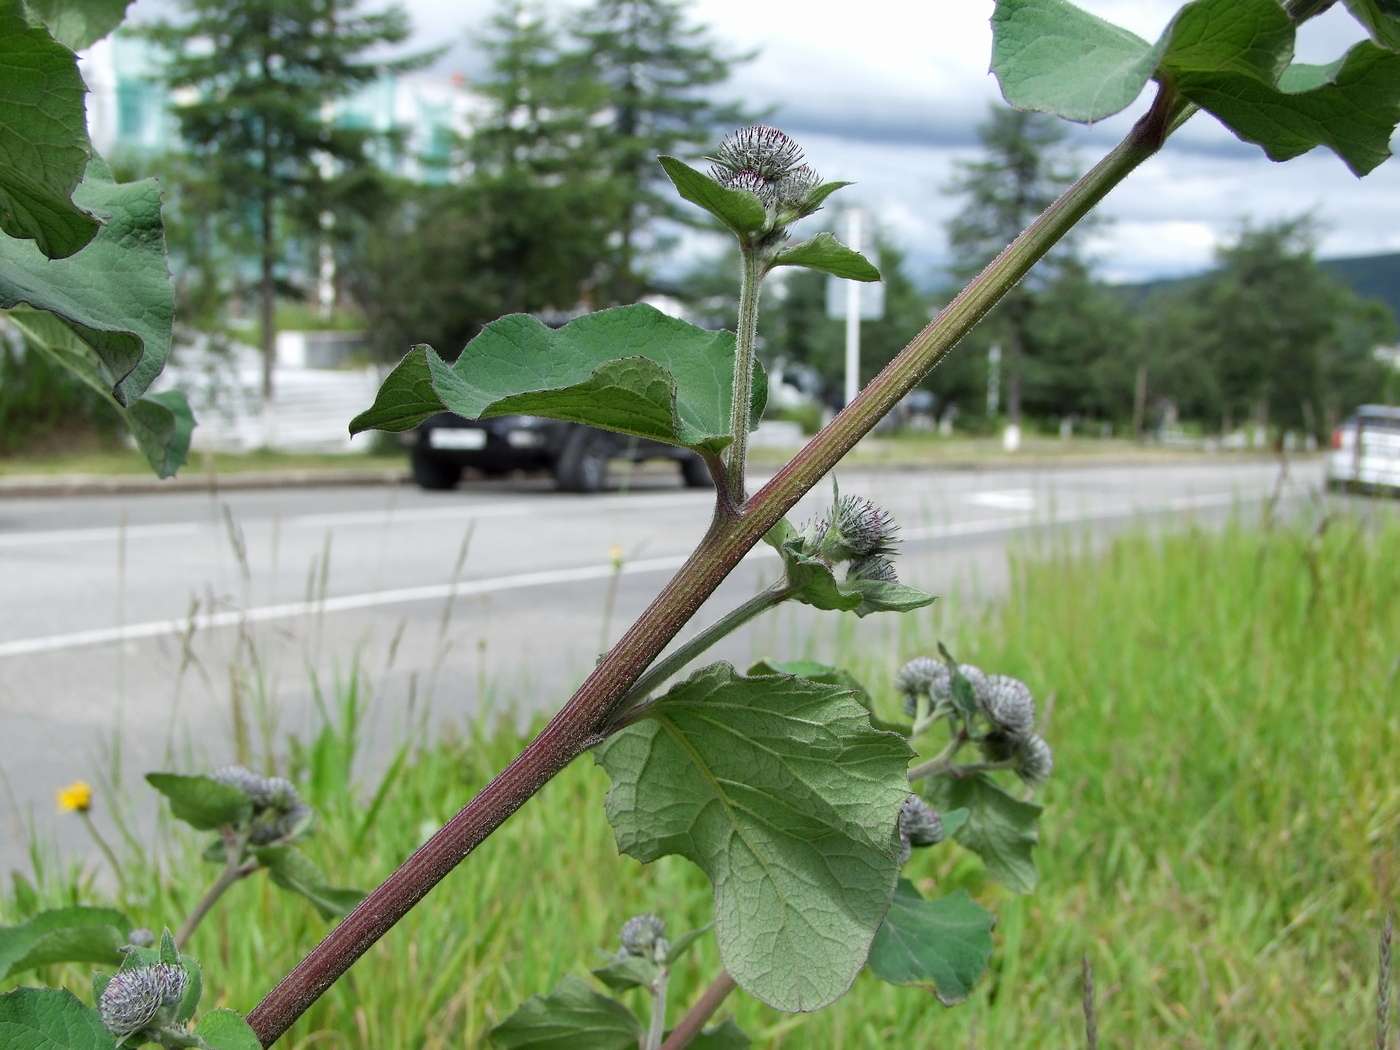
[767, 163]
[141, 998]
[1005, 703]
[278, 809]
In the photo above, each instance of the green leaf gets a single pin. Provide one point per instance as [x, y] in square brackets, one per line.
[818, 196]
[838, 676]
[1000, 829]
[161, 423]
[225, 1030]
[76, 934]
[945, 942]
[740, 210]
[45, 147]
[1052, 57]
[727, 1036]
[115, 293]
[825, 253]
[572, 1017]
[50, 1019]
[781, 792]
[953, 820]
[682, 944]
[293, 870]
[623, 973]
[77, 24]
[1302, 76]
[201, 802]
[1354, 114]
[1381, 19]
[817, 585]
[630, 369]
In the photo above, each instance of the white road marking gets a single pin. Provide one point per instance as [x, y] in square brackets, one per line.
[132, 532]
[1009, 499]
[518, 581]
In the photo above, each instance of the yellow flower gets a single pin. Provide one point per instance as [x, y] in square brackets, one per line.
[76, 796]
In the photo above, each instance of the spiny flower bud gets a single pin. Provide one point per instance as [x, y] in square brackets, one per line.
[1008, 705]
[644, 935]
[921, 675]
[919, 823]
[975, 678]
[873, 568]
[1034, 762]
[266, 792]
[859, 529]
[998, 746]
[134, 999]
[757, 150]
[245, 780]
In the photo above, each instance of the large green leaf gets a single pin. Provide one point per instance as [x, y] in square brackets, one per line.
[44, 148]
[1001, 829]
[1381, 19]
[827, 675]
[1053, 57]
[225, 1030]
[50, 1019]
[161, 423]
[202, 802]
[818, 587]
[293, 870]
[631, 369]
[781, 792]
[116, 292]
[1354, 113]
[944, 942]
[828, 255]
[79, 23]
[76, 934]
[572, 1017]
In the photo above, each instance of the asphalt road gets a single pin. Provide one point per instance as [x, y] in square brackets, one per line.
[160, 623]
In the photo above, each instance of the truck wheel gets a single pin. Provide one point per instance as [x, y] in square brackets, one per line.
[434, 473]
[695, 474]
[582, 466]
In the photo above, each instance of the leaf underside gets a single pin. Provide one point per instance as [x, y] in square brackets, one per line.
[44, 148]
[1230, 57]
[781, 792]
[631, 369]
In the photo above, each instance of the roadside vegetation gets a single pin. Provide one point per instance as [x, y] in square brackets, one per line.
[1222, 837]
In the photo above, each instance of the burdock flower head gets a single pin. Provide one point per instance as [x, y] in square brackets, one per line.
[278, 810]
[141, 998]
[644, 936]
[919, 825]
[856, 533]
[765, 162]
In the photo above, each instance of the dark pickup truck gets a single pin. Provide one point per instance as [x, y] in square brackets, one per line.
[577, 455]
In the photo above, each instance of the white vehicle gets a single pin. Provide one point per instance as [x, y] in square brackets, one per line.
[1366, 451]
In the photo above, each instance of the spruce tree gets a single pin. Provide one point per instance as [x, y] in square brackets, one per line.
[262, 76]
[1023, 169]
[655, 70]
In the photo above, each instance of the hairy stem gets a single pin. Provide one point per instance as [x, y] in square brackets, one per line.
[745, 336]
[657, 1032]
[726, 624]
[941, 761]
[701, 1012]
[583, 721]
[233, 871]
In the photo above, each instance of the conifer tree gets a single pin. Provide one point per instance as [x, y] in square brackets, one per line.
[262, 76]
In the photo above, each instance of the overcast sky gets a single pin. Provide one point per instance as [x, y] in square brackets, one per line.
[888, 93]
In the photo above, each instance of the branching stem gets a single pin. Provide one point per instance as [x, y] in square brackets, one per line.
[588, 715]
[234, 870]
[701, 1012]
[657, 1032]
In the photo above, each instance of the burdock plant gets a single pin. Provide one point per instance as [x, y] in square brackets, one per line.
[781, 784]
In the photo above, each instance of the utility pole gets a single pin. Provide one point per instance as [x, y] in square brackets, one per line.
[853, 218]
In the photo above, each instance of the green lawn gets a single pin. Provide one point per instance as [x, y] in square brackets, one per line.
[1222, 835]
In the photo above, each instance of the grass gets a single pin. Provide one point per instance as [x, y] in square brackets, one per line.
[1222, 835]
[120, 460]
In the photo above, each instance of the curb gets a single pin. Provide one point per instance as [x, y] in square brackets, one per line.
[30, 485]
